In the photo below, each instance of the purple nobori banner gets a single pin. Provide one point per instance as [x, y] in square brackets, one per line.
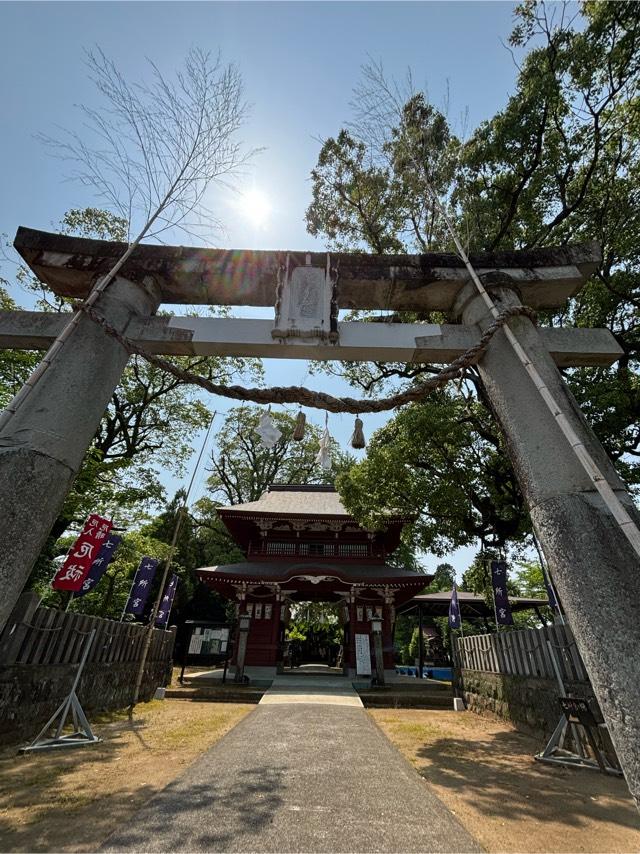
[499, 585]
[165, 604]
[98, 567]
[455, 618]
[141, 586]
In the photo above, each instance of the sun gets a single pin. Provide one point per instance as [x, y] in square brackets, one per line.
[255, 207]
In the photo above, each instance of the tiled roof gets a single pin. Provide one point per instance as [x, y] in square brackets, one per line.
[471, 604]
[271, 571]
[294, 498]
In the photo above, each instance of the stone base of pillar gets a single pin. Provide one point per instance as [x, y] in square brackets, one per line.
[610, 600]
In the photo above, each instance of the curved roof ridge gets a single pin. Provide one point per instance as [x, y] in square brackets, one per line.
[300, 501]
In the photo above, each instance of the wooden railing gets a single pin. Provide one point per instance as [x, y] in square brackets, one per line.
[348, 552]
[37, 635]
[524, 653]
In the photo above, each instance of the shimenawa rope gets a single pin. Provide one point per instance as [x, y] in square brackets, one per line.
[317, 399]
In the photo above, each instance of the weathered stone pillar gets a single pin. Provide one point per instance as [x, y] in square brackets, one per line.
[595, 569]
[21, 616]
[42, 446]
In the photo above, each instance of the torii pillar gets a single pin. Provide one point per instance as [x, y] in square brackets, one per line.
[44, 443]
[594, 567]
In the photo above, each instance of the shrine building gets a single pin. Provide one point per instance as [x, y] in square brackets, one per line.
[302, 545]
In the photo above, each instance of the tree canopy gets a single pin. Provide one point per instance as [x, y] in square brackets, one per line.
[241, 468]
[558, 164]
[150, 422]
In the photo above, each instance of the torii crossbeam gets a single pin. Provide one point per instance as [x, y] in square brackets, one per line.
[594, 567]
[545, 278]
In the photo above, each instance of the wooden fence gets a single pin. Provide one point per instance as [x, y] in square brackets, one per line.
[36, 635]
[524, 653]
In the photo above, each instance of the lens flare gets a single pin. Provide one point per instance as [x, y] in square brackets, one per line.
[255, 207]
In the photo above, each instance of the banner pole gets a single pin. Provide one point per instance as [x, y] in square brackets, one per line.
[124, 609]
[546, 575]
[172, 548]
[493, 598]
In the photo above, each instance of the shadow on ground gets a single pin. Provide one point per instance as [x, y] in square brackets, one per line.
[245, 807]
[22, 775]
[507, 782]
[73, 799]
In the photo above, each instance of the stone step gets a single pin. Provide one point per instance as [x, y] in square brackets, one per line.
[217, 693]
[407, 697]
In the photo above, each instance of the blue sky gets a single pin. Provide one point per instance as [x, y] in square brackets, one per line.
[300, 62]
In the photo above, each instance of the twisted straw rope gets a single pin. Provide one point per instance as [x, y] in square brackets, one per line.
[318, 399]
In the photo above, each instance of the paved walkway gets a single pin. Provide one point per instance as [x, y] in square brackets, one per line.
[323, 690]
[306, 771]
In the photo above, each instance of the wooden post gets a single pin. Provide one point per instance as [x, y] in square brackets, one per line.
[243, 634]
[420, 643]
[376, 625]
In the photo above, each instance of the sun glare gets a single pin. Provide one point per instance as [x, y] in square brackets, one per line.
[256, 207]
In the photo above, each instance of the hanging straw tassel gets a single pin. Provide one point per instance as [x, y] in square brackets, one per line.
[301, 422]
[357, 439]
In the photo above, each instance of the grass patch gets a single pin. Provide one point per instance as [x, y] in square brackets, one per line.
[484, 771]
[104, 784]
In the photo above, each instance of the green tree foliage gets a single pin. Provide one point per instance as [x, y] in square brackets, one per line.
[15, 365]
[429, 463]
[477, 578]
[529, 580]
[413, 652]
[559, 163]
[150, 422]
[198, 545]
[320, 619]
[524, 579]
[241, 469]
[443, 578]
[314, 631]
[109, 596]
[403, 631]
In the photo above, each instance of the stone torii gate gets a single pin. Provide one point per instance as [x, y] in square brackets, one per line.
[594, 567]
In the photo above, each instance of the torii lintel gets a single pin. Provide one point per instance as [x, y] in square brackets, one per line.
[545, 277]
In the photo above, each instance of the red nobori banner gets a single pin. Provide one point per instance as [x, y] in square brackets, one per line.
[82, 554]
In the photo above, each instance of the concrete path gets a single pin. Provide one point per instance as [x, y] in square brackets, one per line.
[324, 690]
[306, 771]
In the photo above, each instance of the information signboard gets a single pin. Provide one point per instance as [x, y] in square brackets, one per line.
[208, 641]
[363, 655]
[206, 644]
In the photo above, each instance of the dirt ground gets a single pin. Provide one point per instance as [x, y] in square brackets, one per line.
[73, 801]
[484, 771]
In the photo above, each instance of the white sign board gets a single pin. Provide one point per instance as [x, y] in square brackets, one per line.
[303, 308]
[195, 644]
[208, 641]
[363, 655]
